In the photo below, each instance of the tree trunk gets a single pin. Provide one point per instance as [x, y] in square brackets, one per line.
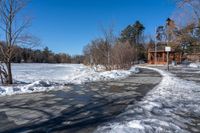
[1, 76]
[9, 78]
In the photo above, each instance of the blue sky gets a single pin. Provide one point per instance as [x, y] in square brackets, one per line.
[68, 25]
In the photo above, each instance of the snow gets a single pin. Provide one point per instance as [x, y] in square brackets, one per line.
[44, 77]
[89, 75]
[37, 86]
[173, 106]
[195, 65]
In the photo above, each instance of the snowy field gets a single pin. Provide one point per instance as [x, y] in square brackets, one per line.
[171, 107]
[43, 77]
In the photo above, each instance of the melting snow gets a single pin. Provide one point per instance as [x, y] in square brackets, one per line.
[171, 107]
[194, 65]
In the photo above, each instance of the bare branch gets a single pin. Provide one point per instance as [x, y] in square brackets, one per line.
[9, 10]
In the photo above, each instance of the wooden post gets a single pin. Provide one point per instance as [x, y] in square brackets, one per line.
[163, 55]
[167, 61]
[168, 49]
[149, 57]
[155, 55]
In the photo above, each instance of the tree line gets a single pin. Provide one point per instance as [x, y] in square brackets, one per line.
[28, 55]
[117, 52]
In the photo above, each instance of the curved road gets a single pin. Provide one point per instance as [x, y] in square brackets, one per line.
[77, 109]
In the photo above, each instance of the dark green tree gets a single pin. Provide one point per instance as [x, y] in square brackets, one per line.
[46, 53]
[138, 32]
[133, 33]
[160, 34]
[127, 35]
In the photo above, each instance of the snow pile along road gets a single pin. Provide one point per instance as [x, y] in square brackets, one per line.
[194, 65]
[37, 86]
[89, 74]
[172, 107]
[44, 77]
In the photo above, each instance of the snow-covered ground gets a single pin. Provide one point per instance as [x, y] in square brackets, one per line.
[43, 77]
[195, 65]
[172, 107]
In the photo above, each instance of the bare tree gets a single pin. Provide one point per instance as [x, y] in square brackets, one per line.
[97, 52]
[194, 4]
[188, 37]
[14, 29]
[122, 55]
[109, 41]
[109, 51]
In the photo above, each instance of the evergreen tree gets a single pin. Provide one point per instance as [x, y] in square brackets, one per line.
[127, 35]
[133, 33]
[160, 34]
[138, 29]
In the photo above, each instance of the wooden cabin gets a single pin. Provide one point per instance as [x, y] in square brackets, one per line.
[162, 55]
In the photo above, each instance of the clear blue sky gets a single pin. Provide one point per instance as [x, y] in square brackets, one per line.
[68, 25]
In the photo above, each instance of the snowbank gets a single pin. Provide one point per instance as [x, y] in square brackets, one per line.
[172, 107]
[90, 75]
[194, 65]
[37, 86]
[44, 77]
